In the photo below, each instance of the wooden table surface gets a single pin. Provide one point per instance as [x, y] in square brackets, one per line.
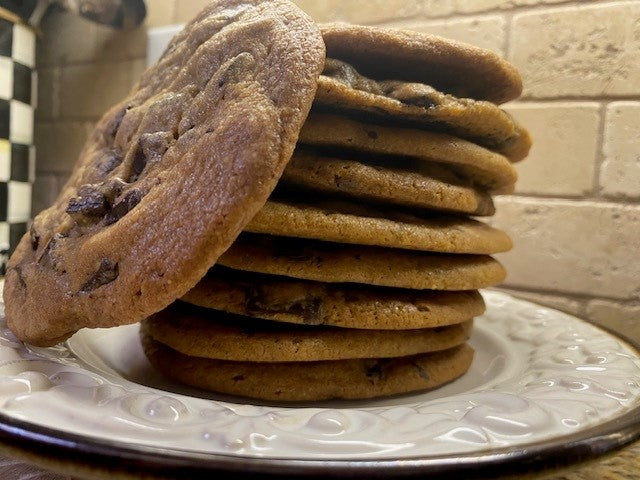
[624, 465]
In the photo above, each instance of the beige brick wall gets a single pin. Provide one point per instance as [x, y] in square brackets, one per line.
[575, 217]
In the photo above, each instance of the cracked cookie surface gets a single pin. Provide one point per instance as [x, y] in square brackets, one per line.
[171, 174]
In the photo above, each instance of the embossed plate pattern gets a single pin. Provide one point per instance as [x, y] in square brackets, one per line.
[542, 383]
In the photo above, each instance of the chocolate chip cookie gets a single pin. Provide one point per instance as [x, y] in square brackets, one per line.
[489, 170]
[419, 185]
[342, 89]
[171, 174]
[199, 332]
[350, 222]
[346, 305]
[338, 263]
[312, 381]
[447, 65]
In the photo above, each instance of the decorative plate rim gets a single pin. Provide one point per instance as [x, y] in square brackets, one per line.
[91, 452]
[69, 452]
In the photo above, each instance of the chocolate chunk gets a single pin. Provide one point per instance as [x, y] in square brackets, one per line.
[90, 202]
[35, 238]
[151, 147]
[109, 161]
[310, 309]
[374, 371]
[346, 74]
[138, 163]
[112, 127]
[112, 189]
[411, 93]
[421, 371]
[107, 272]
[124, 206]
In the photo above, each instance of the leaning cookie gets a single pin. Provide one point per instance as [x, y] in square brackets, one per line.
[171, 174]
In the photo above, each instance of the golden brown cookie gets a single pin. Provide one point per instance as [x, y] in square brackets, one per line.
[334, 262]
[337, 304]
[308, 381]
[449, 66]
[171, 174]
[348, 222]
[487, 169]
[430, 187]
[341, 88]
[212, 334]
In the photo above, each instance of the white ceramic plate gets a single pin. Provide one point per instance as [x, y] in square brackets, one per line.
[545, 389]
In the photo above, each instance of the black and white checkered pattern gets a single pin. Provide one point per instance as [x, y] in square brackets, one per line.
[17, 154]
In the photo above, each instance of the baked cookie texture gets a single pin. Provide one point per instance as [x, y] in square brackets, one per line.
[340, 263]
[352, 223]
[452, 67]
[489, 170]
[312, 381]
[196, 332]
[402, 183]
[171, 174]
[341, 88]
[348, 305]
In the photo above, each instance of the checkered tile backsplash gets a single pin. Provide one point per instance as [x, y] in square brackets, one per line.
[17, 154]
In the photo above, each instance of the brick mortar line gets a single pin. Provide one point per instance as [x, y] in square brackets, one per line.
[608, 201]
[547, 7]
[515, 9]
[87, 63]
[55, 92]
[508, 28]
[581, 98]
[174, 12]
[403, 21]
[597, 168]
[56, 121]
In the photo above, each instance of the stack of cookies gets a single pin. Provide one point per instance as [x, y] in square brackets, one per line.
[359, 276]
[351, 273]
